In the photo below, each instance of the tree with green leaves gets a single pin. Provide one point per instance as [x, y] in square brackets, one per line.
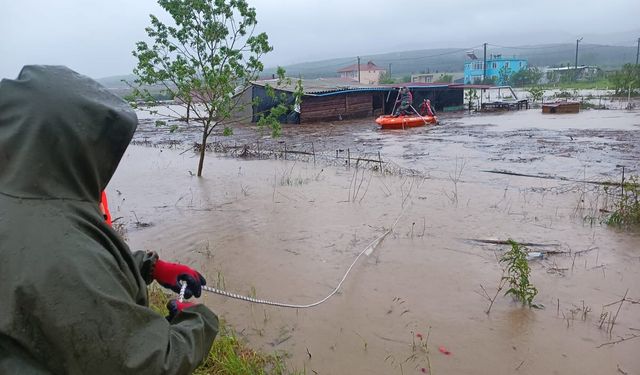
[525, 77]
[471, 96]
[385, 78]
[536, 93]
[204, 59]
[626, 79]
[282, 103]
[504, 75]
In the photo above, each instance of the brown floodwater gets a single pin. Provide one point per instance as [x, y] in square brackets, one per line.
[287, 231]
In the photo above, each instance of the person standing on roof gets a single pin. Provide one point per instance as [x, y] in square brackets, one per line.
[404, 102]
[73, 296]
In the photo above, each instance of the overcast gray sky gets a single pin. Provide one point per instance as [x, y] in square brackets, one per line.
[96, 37]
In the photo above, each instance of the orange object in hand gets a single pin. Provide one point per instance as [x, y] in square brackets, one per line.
[104, 208]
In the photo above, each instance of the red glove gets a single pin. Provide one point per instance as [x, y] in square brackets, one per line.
[175, 306]
[169, 276]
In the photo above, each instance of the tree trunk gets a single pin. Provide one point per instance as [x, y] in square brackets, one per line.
[202, 150]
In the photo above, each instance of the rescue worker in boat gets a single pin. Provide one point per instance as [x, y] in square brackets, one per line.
[404, 102]
[74, 297]
[425, 108]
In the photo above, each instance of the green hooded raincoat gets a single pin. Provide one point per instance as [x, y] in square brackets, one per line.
[73, 298]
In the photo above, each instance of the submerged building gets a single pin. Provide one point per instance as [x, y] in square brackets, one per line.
[498, 67]
[336, 99]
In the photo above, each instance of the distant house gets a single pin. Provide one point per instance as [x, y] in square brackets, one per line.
[583, 73]
[369, 73]
[496, 66]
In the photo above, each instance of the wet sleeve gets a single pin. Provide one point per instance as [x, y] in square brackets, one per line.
[145, 261]
[90, 316]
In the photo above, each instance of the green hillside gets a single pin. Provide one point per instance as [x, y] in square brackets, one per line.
[453, 59]
[449, 60]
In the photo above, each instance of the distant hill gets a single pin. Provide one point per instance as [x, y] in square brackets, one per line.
[607, 57]
[116, 81]
[453, 59]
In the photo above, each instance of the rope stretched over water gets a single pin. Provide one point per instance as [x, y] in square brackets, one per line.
[369, 249]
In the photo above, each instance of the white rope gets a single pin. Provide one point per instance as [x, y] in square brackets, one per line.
[368, 250]
[183, 288]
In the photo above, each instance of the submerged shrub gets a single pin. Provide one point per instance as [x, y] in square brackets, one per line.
[627, 210]
[517, 274]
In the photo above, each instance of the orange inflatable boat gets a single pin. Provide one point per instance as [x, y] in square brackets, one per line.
[401, 122]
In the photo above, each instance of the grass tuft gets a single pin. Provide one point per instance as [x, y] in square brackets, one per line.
[229, 354]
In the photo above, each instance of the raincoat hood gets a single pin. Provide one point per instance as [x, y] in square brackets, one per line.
[73, 297]
[54, 109]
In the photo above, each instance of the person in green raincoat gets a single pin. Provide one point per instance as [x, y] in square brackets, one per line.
[73, 297]
[404, 102]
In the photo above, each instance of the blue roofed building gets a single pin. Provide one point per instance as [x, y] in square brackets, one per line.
[497, 65]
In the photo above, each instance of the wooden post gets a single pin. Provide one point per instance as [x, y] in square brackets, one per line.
[380, 160]
[313, 150]
[622, 186]
[285, 151]
[349, 158]
[336, 154]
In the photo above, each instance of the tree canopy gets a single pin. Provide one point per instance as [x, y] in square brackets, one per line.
[204, 59]
[625, 79]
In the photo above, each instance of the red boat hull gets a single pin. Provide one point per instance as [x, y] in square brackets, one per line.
[402, 122]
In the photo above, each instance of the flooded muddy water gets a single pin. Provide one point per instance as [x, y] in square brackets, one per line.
[589, 145]
[287, 231]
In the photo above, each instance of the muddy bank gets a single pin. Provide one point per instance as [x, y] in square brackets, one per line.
[288, 230]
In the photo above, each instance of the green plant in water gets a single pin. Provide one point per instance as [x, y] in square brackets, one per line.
[536, 93]
[517, 274]
[627, 209]
[470, 97]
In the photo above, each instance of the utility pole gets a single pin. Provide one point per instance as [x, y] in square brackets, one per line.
[484, 65]
[359, 69]
[389, 69]
[575, 73]
[638, 51]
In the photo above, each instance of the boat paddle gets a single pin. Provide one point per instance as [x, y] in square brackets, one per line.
[393, 111]
[419, 115]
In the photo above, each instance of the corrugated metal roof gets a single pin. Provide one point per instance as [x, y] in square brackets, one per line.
[320, 85]
[332, 86]
[416, 85]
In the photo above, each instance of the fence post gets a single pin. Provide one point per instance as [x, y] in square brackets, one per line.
[622, 186]
[313, 150]
[349, 158]
[285, 150]
[380, 161]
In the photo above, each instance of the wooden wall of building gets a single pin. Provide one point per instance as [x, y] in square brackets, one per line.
[336, 107]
